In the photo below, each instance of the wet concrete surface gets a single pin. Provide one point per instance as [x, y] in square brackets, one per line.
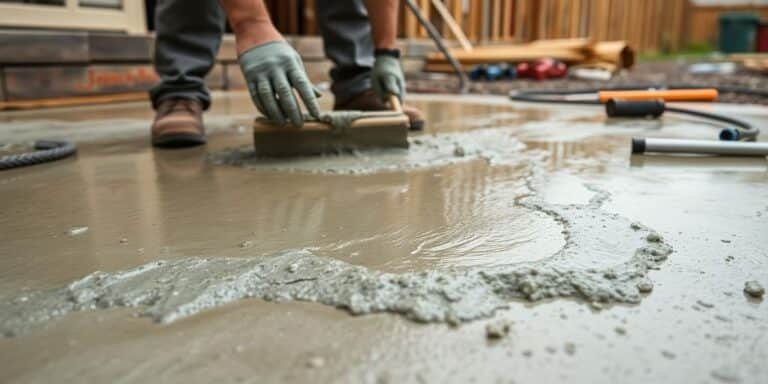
[142, 205]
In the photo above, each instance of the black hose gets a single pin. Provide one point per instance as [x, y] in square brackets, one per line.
[45, 151]
[741, 130]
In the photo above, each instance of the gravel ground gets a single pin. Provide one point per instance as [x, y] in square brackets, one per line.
[661, 72]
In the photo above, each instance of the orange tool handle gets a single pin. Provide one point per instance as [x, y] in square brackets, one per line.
[666, 95]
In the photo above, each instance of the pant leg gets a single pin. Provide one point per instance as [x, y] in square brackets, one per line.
[347, 40]
[188, 36]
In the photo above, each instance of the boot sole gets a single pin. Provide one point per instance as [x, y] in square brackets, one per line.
[416, 125]
[179, 140]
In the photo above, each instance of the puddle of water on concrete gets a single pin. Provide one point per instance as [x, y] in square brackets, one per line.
[452, 217]
[588, 266]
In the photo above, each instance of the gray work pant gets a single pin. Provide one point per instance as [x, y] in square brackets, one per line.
[188, 35]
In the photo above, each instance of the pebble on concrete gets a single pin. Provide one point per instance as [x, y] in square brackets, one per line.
[497, 330]
[754, 289]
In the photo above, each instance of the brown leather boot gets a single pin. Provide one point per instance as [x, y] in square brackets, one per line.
[369, 101]
[178, 123]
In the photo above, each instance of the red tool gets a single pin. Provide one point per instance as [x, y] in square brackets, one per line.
[542, 69]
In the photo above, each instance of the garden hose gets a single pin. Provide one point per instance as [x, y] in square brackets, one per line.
[45, 151]
[738, 130]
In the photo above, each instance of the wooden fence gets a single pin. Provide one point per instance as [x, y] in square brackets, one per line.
[648, 25]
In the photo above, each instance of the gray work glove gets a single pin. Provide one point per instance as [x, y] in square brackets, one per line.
[272, 71]
[387, 77]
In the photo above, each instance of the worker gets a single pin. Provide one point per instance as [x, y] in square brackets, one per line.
[366, 62]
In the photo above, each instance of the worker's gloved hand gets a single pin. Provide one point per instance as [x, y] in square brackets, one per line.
[387, 77]
[272, 71]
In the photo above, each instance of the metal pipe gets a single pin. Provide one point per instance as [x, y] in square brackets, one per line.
[435, 35]
[704, 147]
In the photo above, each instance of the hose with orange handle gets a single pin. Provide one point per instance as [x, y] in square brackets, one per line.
[707, 94]
[649, 100]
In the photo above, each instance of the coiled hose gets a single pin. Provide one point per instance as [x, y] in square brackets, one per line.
[45, 151]
[739, 130]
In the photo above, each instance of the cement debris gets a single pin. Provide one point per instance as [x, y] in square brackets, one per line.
[645, 286]
[551, 349]
[754, 289]
[668, 354]
[316, 362]
[726, 374]
[170, 290]
[497, 330]
[569, 348]
[495, 146]
[654, 237]
[74, 231]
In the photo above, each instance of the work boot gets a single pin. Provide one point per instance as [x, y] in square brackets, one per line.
[178, 123]
[369, 101]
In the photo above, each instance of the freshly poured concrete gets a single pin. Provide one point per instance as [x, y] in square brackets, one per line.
[443, 218]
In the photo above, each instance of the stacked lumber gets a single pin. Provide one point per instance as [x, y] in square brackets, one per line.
[611, 55]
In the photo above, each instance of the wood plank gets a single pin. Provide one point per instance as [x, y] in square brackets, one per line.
[293, 17]
[475, 19]
[575, 19]
[507, 20]
[584, 18]
[310, 17]
[485, 20]
[457, 12]
[410, 23]
[452, 25]
[523, 22]
[510, 53]
[426, 9]
[495, 16]
[601, 20]
[542, 11]
[580, 43]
